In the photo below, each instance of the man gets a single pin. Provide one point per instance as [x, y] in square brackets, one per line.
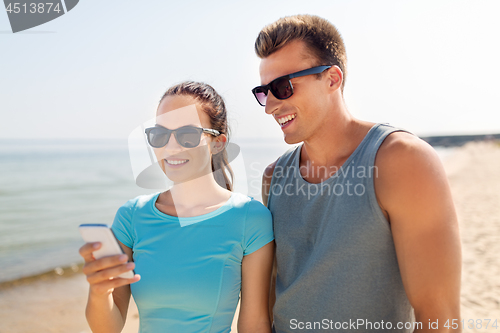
[366, 232]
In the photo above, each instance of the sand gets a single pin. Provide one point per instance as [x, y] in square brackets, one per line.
[474, 175]
[53, 303]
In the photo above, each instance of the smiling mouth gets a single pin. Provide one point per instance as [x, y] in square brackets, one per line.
[176, 162]
[285, 120]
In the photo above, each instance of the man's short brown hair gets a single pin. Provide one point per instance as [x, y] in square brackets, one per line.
[321, 37]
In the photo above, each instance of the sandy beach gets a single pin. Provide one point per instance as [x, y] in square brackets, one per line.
[55, 303]
[474, 175]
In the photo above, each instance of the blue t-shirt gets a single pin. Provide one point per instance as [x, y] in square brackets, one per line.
[190, 267]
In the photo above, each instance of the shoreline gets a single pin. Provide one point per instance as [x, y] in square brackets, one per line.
[51, 302]
[58, 272]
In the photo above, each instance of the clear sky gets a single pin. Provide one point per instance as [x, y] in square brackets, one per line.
[431, 67]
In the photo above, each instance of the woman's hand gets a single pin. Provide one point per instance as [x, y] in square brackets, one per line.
[102, 274]
[109, 295]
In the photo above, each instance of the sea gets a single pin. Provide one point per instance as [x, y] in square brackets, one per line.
[48, 187]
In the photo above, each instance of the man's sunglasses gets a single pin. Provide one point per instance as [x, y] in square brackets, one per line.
[282, 87]
[186, 136]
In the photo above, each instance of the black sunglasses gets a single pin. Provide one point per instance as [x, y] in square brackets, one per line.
[186, 136]
[282, 87]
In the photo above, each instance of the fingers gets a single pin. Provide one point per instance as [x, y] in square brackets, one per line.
[107, 286]
[102, 274]
[97, 276]
[94, 266]
[87, 249]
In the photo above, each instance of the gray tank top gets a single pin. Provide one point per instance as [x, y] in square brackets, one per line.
[335, 252]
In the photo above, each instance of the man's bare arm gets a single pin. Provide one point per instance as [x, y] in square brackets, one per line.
[266, 184]
[266, 181]
[414, 194]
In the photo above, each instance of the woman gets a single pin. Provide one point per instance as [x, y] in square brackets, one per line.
[195, 246]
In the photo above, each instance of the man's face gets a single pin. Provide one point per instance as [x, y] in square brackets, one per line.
[301, 115]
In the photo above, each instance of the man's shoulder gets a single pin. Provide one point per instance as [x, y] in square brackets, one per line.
[269, 170]
[267, 176]
[402, 162]
[403, 147]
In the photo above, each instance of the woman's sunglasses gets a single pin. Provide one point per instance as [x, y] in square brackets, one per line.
[186, 136]
[282, 87]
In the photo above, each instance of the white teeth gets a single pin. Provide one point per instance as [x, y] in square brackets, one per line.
[175, 162]
[286, 119]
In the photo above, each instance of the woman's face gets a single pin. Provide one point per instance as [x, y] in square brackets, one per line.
[179, 163]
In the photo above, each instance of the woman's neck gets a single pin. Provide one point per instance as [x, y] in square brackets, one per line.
[194, 197]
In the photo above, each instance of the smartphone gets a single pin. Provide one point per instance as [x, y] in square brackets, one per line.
[102, 233]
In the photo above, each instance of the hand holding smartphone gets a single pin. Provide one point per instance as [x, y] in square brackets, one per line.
[109, 244]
